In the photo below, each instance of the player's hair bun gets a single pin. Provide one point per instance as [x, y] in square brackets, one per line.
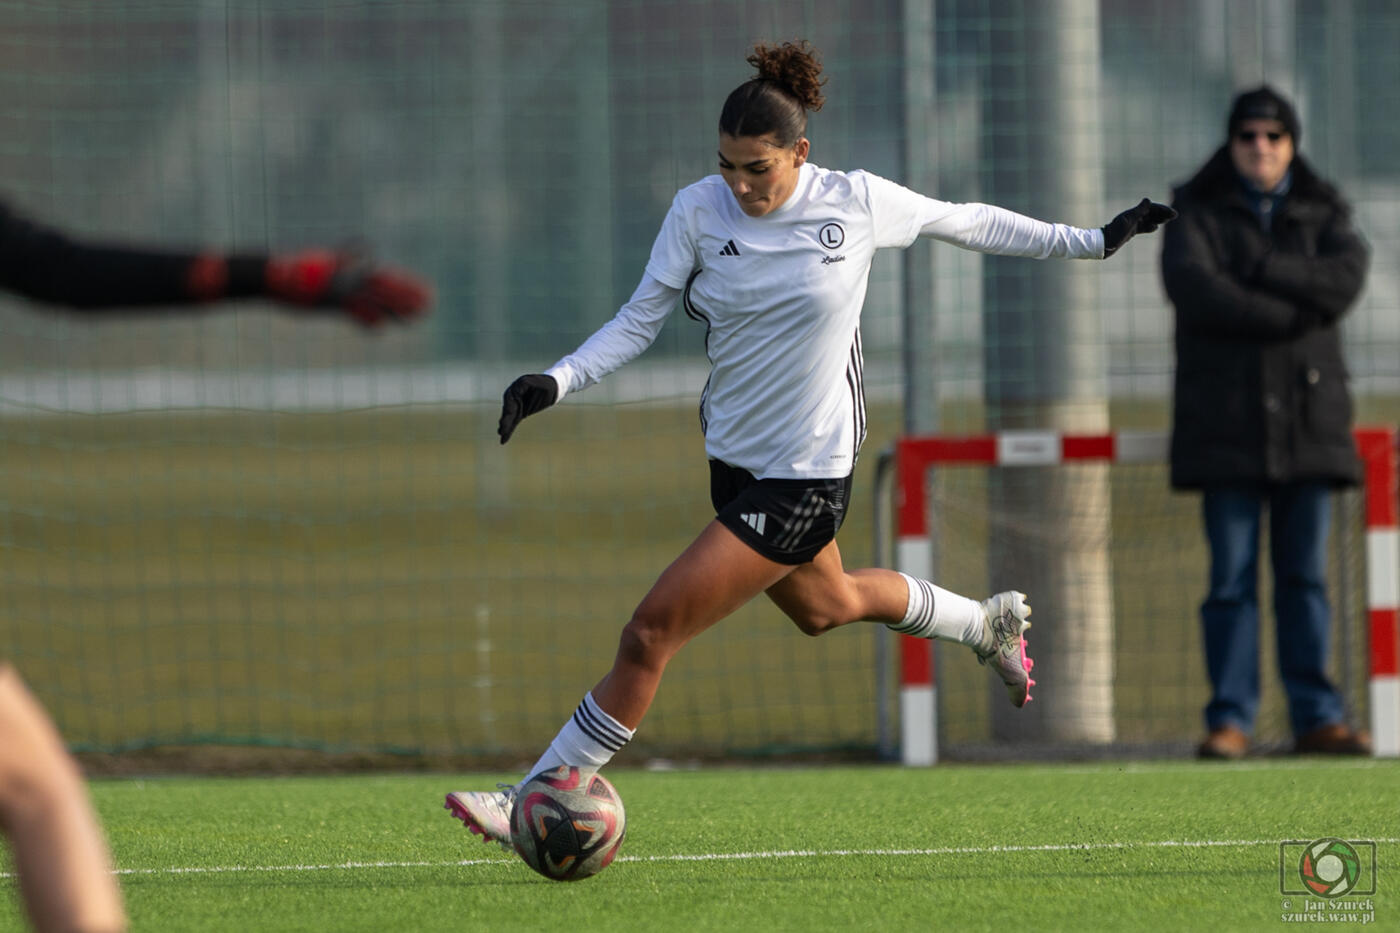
[795, 68]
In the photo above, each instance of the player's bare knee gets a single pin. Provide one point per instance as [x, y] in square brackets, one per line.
[812, 623]
[644, 642]
[834, 611]
[34, 788]
[35, 770]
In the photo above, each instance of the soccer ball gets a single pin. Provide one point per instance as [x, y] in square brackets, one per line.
[567, 825]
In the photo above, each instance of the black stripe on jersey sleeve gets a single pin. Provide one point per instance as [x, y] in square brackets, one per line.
[855, 379]
[691, 311]
[695, 314]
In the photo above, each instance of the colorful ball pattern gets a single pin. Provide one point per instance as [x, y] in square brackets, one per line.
[567, 824]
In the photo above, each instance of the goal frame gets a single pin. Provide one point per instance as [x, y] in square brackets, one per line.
[915, 456]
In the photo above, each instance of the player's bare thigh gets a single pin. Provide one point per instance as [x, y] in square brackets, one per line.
[713, 577]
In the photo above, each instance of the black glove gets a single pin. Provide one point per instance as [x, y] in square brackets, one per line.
[1144, 218]
[526, 395]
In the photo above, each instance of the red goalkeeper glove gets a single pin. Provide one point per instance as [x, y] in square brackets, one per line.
[348, 280]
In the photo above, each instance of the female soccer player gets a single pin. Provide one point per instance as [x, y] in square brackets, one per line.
[773, 255]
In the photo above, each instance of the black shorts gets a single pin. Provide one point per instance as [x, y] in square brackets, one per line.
[786, 520]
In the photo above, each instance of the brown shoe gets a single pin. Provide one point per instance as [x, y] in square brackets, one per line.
[1336, 739]
[1226, 742]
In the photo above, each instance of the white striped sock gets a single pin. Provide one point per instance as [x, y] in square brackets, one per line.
[588, 740]
[934, 612]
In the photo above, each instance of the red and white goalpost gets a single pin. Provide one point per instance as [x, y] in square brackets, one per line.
[915, 456]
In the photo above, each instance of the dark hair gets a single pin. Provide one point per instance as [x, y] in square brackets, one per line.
[776, 101]
[1264, 103]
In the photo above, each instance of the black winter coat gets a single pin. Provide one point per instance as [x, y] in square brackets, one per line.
[1261, 387]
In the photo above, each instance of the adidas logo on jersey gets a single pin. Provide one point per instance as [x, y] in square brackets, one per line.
[755, 520]
[729, 249]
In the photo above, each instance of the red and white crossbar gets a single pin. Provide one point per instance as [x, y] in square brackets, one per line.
[914, 456]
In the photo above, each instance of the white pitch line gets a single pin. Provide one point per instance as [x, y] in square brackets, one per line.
[734, 856]
[1166, 767]
[963, 850]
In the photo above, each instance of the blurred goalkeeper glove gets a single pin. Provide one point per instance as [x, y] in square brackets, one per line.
[1145, 218]
[348, 280]
[526, 396]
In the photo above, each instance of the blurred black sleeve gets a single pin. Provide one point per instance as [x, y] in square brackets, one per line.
[48, 265]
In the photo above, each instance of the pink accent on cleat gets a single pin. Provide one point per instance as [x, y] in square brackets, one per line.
[461, 813]
[485, 813]
[1029, 664]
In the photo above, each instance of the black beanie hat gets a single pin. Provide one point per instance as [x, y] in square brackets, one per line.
[1264, 103]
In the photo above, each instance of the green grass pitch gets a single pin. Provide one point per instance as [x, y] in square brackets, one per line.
[1146, 845]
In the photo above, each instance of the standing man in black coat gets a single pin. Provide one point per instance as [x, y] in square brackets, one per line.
[1261, 266]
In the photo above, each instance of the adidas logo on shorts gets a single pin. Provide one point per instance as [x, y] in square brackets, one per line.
[755, 520]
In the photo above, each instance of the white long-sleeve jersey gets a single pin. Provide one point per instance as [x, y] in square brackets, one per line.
[781, 295]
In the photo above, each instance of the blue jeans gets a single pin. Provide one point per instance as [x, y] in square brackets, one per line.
[1299, 518]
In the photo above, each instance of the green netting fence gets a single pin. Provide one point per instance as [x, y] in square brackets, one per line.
[238, 527]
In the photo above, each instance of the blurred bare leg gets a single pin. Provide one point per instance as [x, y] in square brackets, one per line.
[65, 870]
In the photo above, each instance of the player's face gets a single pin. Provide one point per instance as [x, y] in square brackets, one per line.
[1262, 150]
[761, 173]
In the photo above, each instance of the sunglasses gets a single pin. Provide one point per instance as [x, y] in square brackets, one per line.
[1248, 136]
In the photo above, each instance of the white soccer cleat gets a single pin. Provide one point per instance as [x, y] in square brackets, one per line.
[486, 812]
[1007, 619]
